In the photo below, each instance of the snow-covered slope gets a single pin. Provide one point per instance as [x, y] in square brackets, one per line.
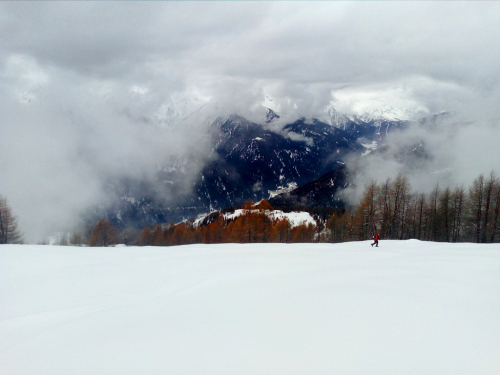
[375, 115]
[294, 218]
[387, 113]
[334, 118]
[407, 307]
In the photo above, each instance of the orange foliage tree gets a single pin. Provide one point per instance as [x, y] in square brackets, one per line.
[281, 231]
[146, 237]
[103, 234]
[303, 233]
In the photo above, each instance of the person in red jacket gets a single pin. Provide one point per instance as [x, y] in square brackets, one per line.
[376, 240]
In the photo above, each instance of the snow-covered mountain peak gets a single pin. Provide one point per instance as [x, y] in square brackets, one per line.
[180, 108]
[361, 115]
[198, 108]
[389, 113]
[335, 118]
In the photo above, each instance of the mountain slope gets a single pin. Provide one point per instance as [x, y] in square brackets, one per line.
[249, 161]
[253, 161]
[320, 192]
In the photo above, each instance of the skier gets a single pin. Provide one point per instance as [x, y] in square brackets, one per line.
[375, 238]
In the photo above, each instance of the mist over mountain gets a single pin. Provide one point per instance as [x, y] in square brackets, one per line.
[306, 163]
[297, 164]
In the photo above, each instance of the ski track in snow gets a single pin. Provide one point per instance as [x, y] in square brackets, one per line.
[407, 307]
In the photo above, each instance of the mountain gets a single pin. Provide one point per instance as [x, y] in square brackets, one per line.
[250, 161]
[372, 126]
[320, 192]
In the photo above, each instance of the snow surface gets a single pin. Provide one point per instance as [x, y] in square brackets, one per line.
[407, 307]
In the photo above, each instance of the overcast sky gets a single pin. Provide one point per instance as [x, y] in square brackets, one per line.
[78, 80]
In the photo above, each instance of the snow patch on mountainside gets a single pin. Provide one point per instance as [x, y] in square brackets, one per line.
[291, 186]
[370, 146]
[294, 218]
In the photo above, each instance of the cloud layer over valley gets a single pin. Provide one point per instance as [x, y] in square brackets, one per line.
[96, 90]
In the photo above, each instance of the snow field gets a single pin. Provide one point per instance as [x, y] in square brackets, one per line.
[407, 307]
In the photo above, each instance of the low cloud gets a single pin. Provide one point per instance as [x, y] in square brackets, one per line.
[299, 138]
[63, 142]
[451, 154]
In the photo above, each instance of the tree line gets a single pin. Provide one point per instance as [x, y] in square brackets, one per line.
[390, 209]
[254, 225]
[393, 211]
